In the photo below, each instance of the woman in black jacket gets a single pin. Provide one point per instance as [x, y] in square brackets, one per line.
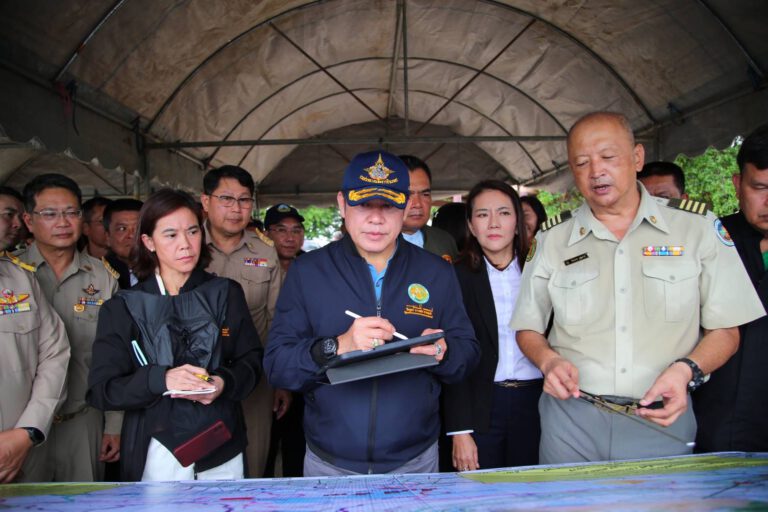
[177, 353]
[492, 415]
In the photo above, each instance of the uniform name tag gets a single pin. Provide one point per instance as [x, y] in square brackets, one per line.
[575, 259]
[663, 250]
[256, 262]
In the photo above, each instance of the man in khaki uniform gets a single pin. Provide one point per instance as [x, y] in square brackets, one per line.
[33, 365]
[631, 279]
[75, 285]
[251, 260]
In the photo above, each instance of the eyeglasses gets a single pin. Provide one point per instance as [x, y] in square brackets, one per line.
[52, 215]
[244, 202]
[282, 230]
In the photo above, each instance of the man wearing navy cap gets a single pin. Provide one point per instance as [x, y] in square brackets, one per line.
[390, 423]
[285, 227]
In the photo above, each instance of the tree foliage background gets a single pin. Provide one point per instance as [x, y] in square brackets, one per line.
[707, 178]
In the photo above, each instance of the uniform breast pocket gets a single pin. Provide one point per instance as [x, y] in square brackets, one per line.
[574, 294]
[18, 340]
[255, 283]
[670, 289]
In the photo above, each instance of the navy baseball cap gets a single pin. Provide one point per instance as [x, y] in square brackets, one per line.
[279, 212]
[376, 175]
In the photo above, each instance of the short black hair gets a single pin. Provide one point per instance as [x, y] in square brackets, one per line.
[164, 202]
[664, 169]
[9, 191]
[214, 176]
[120, 205]
[46, 181]
[414, 162]
[92, 204]
[754, 149]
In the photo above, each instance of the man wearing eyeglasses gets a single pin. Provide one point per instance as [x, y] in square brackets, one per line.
[76, 286]
[250, 259]
[11, 209]
[285, 228]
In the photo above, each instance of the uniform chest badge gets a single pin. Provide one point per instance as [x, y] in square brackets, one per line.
[256, 262]
[419, 294]
[663, 250]
[90, 300]
[11, 303]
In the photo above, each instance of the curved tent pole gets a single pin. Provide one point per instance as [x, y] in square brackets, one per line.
[602, 62]
[362, 59]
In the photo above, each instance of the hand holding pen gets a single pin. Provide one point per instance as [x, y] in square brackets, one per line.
[193, 378]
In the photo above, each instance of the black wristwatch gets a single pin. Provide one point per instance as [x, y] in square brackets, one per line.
[35, 435]
[330, 347]
[698, 376]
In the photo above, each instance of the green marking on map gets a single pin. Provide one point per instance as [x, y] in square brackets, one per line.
[66, 489]
[618, 469]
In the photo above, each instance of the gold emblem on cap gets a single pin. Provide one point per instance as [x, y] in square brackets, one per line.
[378, 171]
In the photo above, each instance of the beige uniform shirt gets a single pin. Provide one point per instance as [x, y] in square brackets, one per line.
[624, 310]
[34, 351]
[77, 298]
[255, 266]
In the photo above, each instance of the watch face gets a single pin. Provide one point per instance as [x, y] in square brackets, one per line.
[329, 347]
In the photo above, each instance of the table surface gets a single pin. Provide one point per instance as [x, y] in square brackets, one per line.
[724, 481]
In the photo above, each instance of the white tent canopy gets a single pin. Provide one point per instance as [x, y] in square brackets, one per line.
[291, 90]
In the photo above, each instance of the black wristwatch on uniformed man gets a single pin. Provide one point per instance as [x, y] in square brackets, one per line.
[35, 435]
[697, 378]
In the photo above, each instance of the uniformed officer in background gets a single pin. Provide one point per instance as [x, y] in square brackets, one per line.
[33, 360]
[632, 279]
[250, 259]
[75, 285]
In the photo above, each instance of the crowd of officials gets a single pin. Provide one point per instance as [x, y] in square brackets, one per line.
[170, 340]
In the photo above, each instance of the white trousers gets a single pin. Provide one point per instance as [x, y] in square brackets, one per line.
[162, 466]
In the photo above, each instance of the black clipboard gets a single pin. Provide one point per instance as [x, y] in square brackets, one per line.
[391, 347]
[389, 358]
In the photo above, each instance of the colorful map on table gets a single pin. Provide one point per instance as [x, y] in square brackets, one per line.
[729, 481]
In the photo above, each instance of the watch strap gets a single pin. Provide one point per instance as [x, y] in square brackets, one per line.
[35, 435]
[697, 376]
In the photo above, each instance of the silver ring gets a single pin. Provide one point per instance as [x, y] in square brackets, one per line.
[375, 342]
[439, 349]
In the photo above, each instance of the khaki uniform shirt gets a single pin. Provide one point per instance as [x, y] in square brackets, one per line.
[77, 298]
[34, 351]
[255, 266]
[624, 310]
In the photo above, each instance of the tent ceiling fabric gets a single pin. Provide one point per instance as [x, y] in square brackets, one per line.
[244, 70]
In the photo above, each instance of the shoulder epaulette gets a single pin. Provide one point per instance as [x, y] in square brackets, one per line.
[557, 219]
[110, 269]
[17, 261]
[264, 238]
[688, 205]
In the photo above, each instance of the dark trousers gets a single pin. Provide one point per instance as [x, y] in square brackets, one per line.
[513, 436]
[288, 438]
